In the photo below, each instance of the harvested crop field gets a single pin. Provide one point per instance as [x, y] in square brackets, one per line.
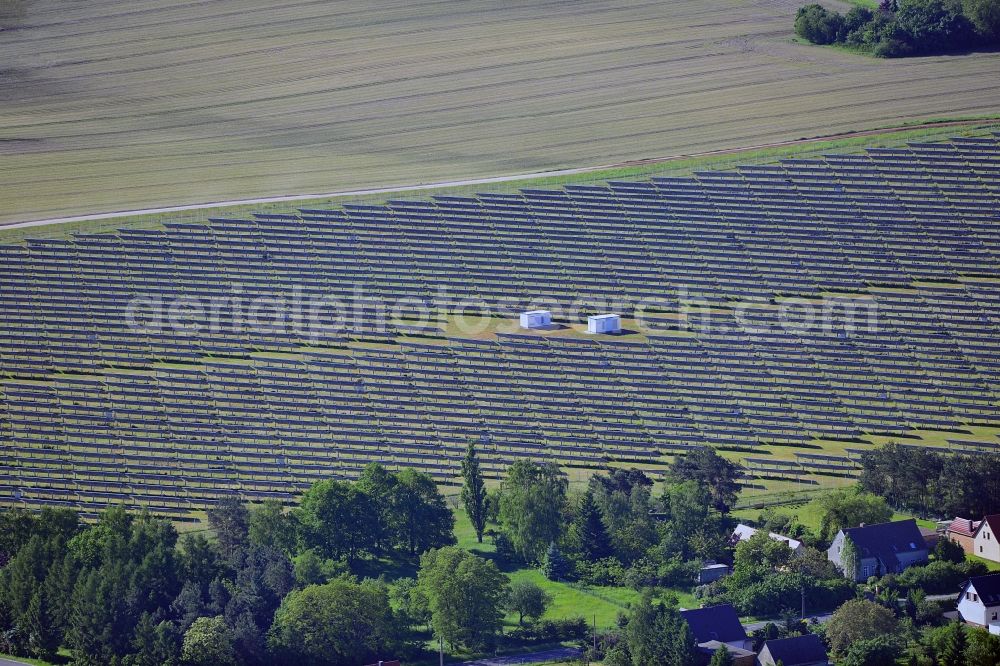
[112, 105]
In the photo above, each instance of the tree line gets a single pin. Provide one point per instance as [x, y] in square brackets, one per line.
[304, 585]
[615, 532]
[926, 482]
[900, 28]
[273, 586]
[307, 584]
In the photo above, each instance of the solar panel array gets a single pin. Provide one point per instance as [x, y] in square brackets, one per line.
[93, 410]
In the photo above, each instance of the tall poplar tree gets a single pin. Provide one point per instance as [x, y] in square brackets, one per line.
[474, 491]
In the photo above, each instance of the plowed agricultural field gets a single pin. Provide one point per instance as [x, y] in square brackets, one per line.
[112, 104]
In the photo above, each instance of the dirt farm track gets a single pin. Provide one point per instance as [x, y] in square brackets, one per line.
[114, 105]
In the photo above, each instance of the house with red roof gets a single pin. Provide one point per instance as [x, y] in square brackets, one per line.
[963, 532]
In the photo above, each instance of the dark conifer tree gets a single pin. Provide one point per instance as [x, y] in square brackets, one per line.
[589, 532]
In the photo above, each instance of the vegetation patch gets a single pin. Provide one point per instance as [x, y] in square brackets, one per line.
[899, 28]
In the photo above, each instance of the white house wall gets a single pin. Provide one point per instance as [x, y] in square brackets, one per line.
[986, 544]
[975, 611]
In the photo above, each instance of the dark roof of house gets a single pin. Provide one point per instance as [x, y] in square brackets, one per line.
[715, 623]
[805, 649]
[993, 520]
[987, 587]
[887, 541]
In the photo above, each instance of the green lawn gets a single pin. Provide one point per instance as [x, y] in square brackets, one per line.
[568, 599]
[810, 514]
[992, 566]
[922, 522]
[600, 604]
[467, 536]
[571, 601]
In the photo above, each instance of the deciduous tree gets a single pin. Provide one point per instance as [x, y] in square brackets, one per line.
[531, 504]
[209, 642]
[379, 483]
[657, 634]
[624, 503]
[858, 620]
[465, 595]
[340, 623]
[692, 528]
[337, 518]
[720, 476]
[755, 558]
[985, 16]
[875, 651]
[817, 24]
[269, 525]
[983, 648]
[420, 517]
[527, 599]
[311, 568]
[850, 507]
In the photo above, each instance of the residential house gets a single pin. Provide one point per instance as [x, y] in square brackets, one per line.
[979, 602]
[984, 541]
[739, 656]
[717, 623]
[805, 650]
[881, 549]
[963, 532]
[744, 532]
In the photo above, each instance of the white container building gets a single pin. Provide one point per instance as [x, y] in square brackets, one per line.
[536, 319]
[605, 323]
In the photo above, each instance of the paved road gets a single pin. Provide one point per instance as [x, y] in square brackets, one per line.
[474, 181]
[754, 626]
[11, 662]
[529, 658]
